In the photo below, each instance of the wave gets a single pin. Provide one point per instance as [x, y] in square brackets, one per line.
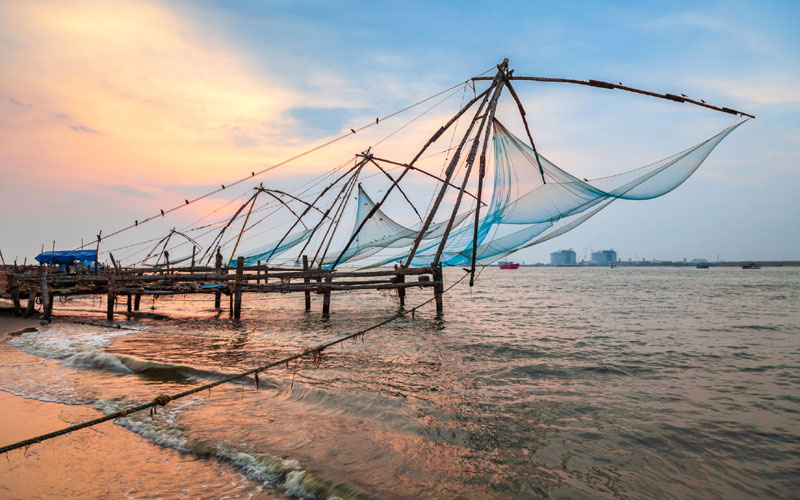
[286, 474]
[152, 370]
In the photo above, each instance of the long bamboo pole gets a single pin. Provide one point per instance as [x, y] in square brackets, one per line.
[611, 86]
[470, 162]
[417, 169]
[409, 166]
[341, 192]
[319, 196]
[244, 226]
[527, 130]
[449, 172]
[333, 227]
[481, 175]
[387, 174]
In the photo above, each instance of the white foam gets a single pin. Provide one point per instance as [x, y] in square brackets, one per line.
[60, 341]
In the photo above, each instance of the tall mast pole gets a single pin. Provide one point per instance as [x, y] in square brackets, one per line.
[471, 161]
[244, 226]
[451, 168]
[409, 167]
[357, 169]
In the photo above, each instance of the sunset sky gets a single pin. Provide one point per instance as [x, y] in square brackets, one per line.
[111, 111]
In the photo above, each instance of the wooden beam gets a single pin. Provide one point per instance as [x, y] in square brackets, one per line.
[611, 86]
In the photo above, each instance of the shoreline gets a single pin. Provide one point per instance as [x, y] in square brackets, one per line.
[11, 325]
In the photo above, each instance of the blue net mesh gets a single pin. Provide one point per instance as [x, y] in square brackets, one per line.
[528, 207]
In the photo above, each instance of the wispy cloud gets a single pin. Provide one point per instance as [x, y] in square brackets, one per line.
[83, 128]
[130, 191]
[19, 103]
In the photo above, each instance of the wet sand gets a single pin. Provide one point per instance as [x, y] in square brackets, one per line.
[120, 464]
[106, 461]
[10, 324]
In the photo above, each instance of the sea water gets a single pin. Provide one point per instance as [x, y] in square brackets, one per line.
[536, 383]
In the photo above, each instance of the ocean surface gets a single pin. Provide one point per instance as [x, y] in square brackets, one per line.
[538, 383]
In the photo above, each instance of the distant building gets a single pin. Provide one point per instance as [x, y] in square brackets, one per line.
[604, 257]
[563, 258]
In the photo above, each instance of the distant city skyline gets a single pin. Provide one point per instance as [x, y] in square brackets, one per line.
[108, 115]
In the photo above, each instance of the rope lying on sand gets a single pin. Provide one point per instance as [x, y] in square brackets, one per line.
[163, 399]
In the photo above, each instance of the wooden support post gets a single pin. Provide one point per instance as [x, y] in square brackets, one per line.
[110, 299]
[401, 292]
[218, 272]
[258, 273]
[13, 287]
[307, 279]
[49, 312]
[194, 250]
[237, 301]
[136, 301]
[45, 295]
[326, 299]
[33, 291]
[130, 304]
[438, 287]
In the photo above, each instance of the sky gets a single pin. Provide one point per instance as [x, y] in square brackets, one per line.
[112, 111]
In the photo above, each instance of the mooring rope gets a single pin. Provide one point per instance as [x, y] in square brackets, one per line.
[163, 399]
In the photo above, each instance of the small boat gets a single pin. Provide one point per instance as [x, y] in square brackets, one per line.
[507, 264]
[751, 265]
[702, 265]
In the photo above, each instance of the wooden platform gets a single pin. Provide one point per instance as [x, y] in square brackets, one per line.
[40, 284]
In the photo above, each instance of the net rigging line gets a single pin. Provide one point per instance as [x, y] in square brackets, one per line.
[164, 399]
[254, 174]
[308, 185]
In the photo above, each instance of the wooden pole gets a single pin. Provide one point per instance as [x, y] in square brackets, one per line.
[110, 299]
[97, 250]
[527, 130]
[470, 162]
[408, 167]
[244, 226]
[319, 196]
[218, 272]
[136, 301]
[438, 288]
[45, 295]
[341, 193]
[194, 250]
[334, 226]
[33, 291]
[13, 287]
[326, 298]
[481, 176]
[448, 175]
[237, 304]
[130, 304]
[401, 292]
[612, 86]
[258, 273]
[306, 279]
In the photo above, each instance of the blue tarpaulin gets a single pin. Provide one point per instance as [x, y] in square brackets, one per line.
[67, 256]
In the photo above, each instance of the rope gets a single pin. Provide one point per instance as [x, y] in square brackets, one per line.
[187, 202]
[163, 399]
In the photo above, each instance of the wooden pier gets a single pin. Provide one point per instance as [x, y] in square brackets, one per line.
[42, 284]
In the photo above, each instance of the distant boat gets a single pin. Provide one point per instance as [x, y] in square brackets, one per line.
[507, 264]
[751, 265]
[702, 265]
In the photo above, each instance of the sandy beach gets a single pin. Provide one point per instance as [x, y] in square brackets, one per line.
[106, 461]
